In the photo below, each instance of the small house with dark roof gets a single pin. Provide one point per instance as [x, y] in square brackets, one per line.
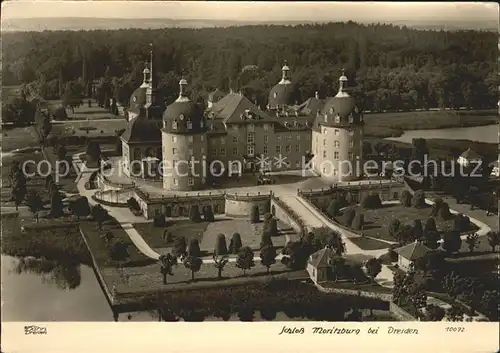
[319, 265]
[410, 253]
[469, 158]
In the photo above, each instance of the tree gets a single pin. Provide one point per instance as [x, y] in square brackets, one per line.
[100, 215]
[493, 239]
[434, 313]
[452, 284]
[430, 226]
[60, 114]
[80, 207]
[245, 259]
[235, 244]
[268, 256]
[431, 239]
[349, 215]
[417, 231]
[18, 194]
[56, 204]
[373, 267]
[489, 303]
[194, 248]
[472, 240]
[168, 236]
[167, 262]
[358, 221]
[418, 199]
[254, 214]
[220, 245]
[394, 227]
[436, 206]
[333, 208]
[444, 211]
[404, 234]
[159, 220]
[93, 150]
[179, 246]
[194, 213]
[336, 243]
[220, 262]
[271, 227]
[193, 263]
[406, 199]
[35, 203]
[72, 97]
[119, 253]
[265, 239]
[208, 213]
[452, 242]
[338, 264]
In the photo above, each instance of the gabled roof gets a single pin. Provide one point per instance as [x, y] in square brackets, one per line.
[321, 258]
[311, 106]
[235, 108]
[470, 154]
[413, 251]
[140, 129]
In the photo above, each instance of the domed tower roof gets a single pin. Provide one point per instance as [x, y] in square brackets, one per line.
[341, 110]
[183, 115]
[282, 93]
[138, 98]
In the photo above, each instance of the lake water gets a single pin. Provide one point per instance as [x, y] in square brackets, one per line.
[487, 133]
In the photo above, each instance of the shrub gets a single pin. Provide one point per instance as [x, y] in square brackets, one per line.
[220, 245]
[358, 221]
[418, 199]
[271, 227]
[461, 223]
[254, 214]
[349, 215]
[417, 231]
[60, 114]
[436, 207]
[394, 228]
[208, 213]
[194, 248]
[235, 244]
[444, 211]
[194, 213]
[93, 150]
[371, 202]
[452, 242]
[405, 198]
[430, 225]
[333, 208]
[179, 247]
[168, 236]
[431, 239]
[159, 221]
[265, 239]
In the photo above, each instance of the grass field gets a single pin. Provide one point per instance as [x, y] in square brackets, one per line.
[393, 124]
[19, 137]
[206, 233]
[377, 221]
[369, 244]
[90, 129]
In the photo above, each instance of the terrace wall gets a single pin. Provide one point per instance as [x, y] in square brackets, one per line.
[237, 205]
[284, 213]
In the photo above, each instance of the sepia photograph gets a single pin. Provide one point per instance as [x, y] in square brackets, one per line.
[250, 161]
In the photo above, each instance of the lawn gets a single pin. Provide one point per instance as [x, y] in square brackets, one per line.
[394, 124]
[369, 243]
[377, 221]
[19, 137]
[206, 233]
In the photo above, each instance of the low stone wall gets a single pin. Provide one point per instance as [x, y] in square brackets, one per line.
[105, 184]
[241, 205]
[387, 191]
[114, 197]
[400, 313]
[367, 294]
[282, 212]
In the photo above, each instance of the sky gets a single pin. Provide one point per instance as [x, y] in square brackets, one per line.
[254, 11]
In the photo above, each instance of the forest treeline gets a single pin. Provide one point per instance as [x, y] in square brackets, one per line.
[389, 67]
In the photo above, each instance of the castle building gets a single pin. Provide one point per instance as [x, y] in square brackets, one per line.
[234, 135]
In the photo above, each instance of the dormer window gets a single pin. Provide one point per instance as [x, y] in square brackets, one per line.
[242, 116]
[326, 118]
[212, 127]
[181, 117]
[201, 123]
[174, 125]
[351, 119]
[275, 95]
[295, 123]
[337, 119]
[189, 124]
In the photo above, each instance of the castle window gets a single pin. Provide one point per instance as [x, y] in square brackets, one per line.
[351, 144]
[337, 119]
[174, 125]
[175, 181]
[174, 150]
[222, 151]
[266, 127]
[336, 144]
[222, 140]
[361, 118]
[191, 181]
[202, 138]
[190, 139]
[251, 127]
[201, 123]
[190, 152]
[250, 150]
[351, 156]
[174, 138]
[275, 95]
[202, 150]
[336, 132]
[214, 152]
[335, 172]
[288, 148]
[297, 148]
[278, 137]
[235, 151]
[181, 117]
[331, 110]
[189, 124]
[265, 149]
[324, 142]
[324, 154]
[278, 149]
[351, 132]
[351, 119]
[289, 137]
[251, 138]
[298, 136]
[235, 139]
[336, 155]
[266, 138]
[326, 118]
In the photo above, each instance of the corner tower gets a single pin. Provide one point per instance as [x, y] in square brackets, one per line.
[338, 137]
[184, 144]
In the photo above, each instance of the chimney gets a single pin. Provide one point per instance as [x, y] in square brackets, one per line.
[316, 95]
